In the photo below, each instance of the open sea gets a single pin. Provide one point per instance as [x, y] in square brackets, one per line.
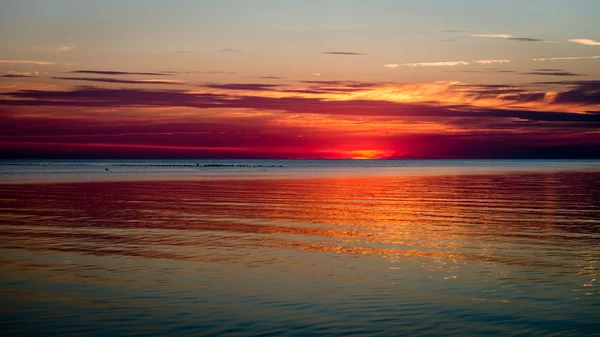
[300, 248]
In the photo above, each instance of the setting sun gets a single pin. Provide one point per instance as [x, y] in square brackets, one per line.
[369, 154]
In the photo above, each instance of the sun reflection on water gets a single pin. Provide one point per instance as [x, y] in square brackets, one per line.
[415, 243]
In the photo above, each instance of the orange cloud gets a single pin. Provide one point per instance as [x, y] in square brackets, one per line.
[44, 63]
[587, 42]
[567, 58]
[441, 93]
[437, 64]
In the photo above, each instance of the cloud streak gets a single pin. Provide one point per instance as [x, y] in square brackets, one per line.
[15, 75]
[552, 72]
[347, 53]
[243, 86]
[586, 42]
[437, 64]
[525, 39]
[269, 77]
[43, 63]
[58, 49]
[116, 73]
[506, 37]
[567, 58]
[207, 72]
[447, 63]
[491, 61]
[117, 80]
[484, 71]
[492, 36]
[12, 73]
[497, 61]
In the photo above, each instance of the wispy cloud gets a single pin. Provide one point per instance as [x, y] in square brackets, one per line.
[552, 72]
[527, 39]
[43, 63]
[493, 36]
[343, 53]
[450, 63]
[117, 80]
[231, 50]
[566, 58]
[58, 49]
[269, 77]
[113, 72]
[207, 72]
[213, 72]
[491, 61]
[437, 64]
[505, 37]
[12, 73]
[586, 42]
[484, 71]
[243, 86]
[590, 84]
[391, 66]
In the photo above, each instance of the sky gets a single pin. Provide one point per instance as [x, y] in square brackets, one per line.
[332, 79]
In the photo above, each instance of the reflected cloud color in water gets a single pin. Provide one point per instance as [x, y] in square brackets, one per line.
[425, 255]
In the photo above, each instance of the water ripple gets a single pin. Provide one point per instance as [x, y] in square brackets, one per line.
[419, 255]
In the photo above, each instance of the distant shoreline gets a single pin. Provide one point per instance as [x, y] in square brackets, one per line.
[79, 171]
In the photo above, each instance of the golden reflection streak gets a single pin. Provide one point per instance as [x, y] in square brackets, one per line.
[442, 218]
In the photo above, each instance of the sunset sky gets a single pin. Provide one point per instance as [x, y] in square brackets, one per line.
[300, 79]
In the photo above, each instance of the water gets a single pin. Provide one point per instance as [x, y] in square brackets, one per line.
[21, 171]
[418, 248]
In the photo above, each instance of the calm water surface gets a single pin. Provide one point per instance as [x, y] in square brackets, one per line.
[456, 254]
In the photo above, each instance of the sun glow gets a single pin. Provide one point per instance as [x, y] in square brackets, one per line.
[368, 154]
